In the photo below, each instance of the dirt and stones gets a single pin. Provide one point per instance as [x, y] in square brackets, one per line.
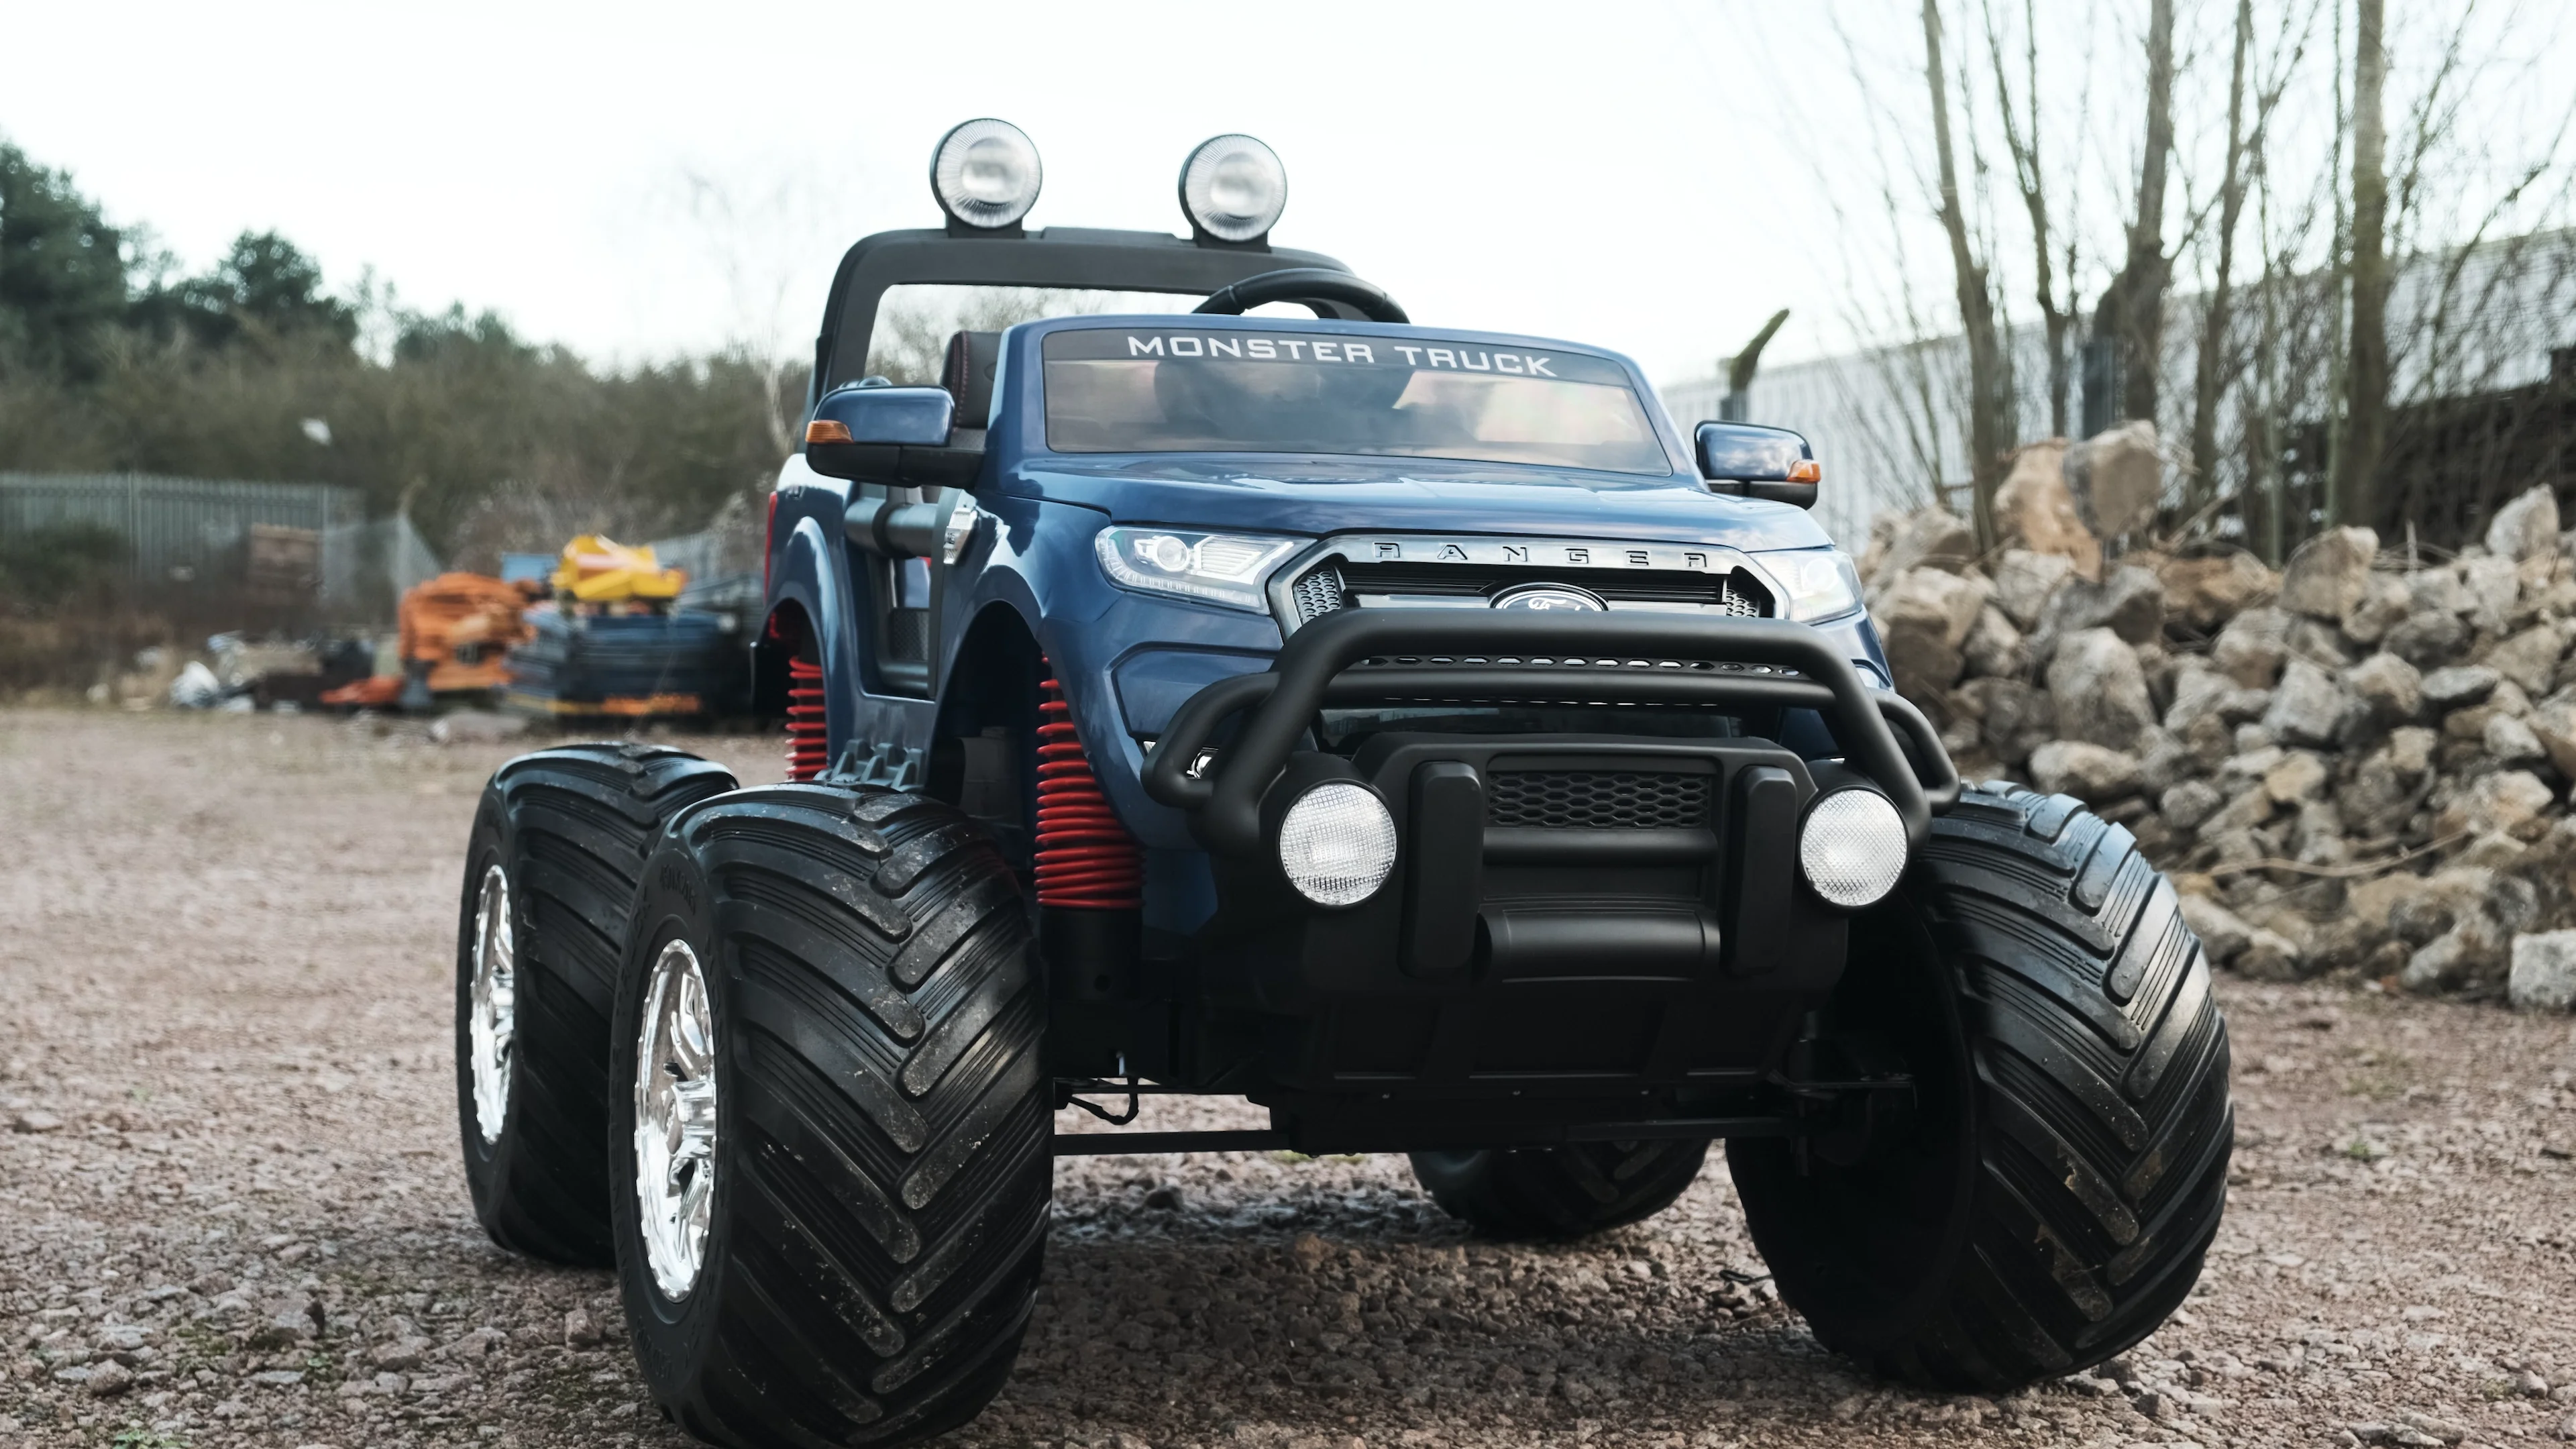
[233, 1214]
[2318, 753]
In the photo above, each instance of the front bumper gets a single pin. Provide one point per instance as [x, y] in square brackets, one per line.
[1569, 915]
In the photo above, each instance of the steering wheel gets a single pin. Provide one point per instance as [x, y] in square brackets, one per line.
[1308, 286]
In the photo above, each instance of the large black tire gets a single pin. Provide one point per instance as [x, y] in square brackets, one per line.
[568, 829]
[881, 1168]
[1559, 1192]
[2065, 1166]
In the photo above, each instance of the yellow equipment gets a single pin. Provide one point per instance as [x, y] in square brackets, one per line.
[600, 570]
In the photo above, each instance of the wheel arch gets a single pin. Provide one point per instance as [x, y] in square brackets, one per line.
[786, 632]
[810, 608]
[996, 652]
[991, 683]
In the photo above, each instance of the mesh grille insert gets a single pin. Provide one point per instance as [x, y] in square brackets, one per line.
[1745, 600]
[1317, 594]
[1596, 800]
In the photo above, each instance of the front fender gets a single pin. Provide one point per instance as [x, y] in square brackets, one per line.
[809, 572]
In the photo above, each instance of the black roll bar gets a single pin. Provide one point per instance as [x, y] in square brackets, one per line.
[1751, 662]
[1057, 256]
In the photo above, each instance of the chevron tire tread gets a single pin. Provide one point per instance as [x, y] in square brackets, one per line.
[2090, 1168]
[1559, 1193]
[570, 827]
[882, 1168]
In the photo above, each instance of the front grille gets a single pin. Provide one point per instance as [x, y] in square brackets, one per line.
[1333, 584]
[1317, 594]
[1596, 800]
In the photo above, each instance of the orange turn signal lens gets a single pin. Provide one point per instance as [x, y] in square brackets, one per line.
[824, 430]
[1806, 470]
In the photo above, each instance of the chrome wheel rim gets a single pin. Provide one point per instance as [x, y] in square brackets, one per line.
[492, 1015]
[675, 1120]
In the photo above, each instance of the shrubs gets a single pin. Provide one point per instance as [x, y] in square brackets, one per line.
[54, 565]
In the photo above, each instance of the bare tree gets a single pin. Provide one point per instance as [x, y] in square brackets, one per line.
[2261, 505]
[1990, 425]
[2133, 306]
[2468, 323]
[1741, 367]
[2375, 254]
[2203, 485]
[2365, 429]
[2224, 354]
[2022, 133]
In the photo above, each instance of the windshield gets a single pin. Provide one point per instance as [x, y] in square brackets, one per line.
[1153, 390]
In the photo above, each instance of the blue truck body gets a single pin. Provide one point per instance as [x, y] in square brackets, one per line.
[1127, 658]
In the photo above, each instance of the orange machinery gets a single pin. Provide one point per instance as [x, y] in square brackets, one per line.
[456, 632]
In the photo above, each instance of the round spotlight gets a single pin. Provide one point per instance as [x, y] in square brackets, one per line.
[1852, 847]
[1234, 188]
[1337, 844]
[986, 174]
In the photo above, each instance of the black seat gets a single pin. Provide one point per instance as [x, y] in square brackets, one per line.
[968, 374]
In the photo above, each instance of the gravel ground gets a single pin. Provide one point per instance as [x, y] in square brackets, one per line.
[234, 1217]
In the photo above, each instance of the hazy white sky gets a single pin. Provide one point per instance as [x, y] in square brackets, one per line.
[1651, 175]
[1603, 172]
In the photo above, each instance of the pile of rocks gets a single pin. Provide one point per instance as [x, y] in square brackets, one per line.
[2358, 764]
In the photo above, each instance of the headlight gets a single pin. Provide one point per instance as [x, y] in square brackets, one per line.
[1852, 847]
[986, 173]
[1337, 844]
[1221, 568]
[1234, 188]
[1822, 583]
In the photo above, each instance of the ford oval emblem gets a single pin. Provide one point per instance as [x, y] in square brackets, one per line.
[1549, 596]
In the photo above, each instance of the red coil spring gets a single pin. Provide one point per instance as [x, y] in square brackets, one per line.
[1086, 860]
[805, 741]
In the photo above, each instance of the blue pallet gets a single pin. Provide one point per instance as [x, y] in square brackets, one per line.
[578, 663]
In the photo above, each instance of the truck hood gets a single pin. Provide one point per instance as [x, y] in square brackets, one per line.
[1316, 496]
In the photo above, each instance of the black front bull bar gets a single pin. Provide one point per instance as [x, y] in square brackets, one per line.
[1363, 655]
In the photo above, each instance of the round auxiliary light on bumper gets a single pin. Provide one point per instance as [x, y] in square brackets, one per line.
[1337, 843]
[1851, 847]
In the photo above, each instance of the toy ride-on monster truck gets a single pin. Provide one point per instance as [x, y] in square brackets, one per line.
[1407, 729]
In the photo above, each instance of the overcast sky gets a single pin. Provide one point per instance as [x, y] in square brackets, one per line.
[1600, 172]
[646, 180]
